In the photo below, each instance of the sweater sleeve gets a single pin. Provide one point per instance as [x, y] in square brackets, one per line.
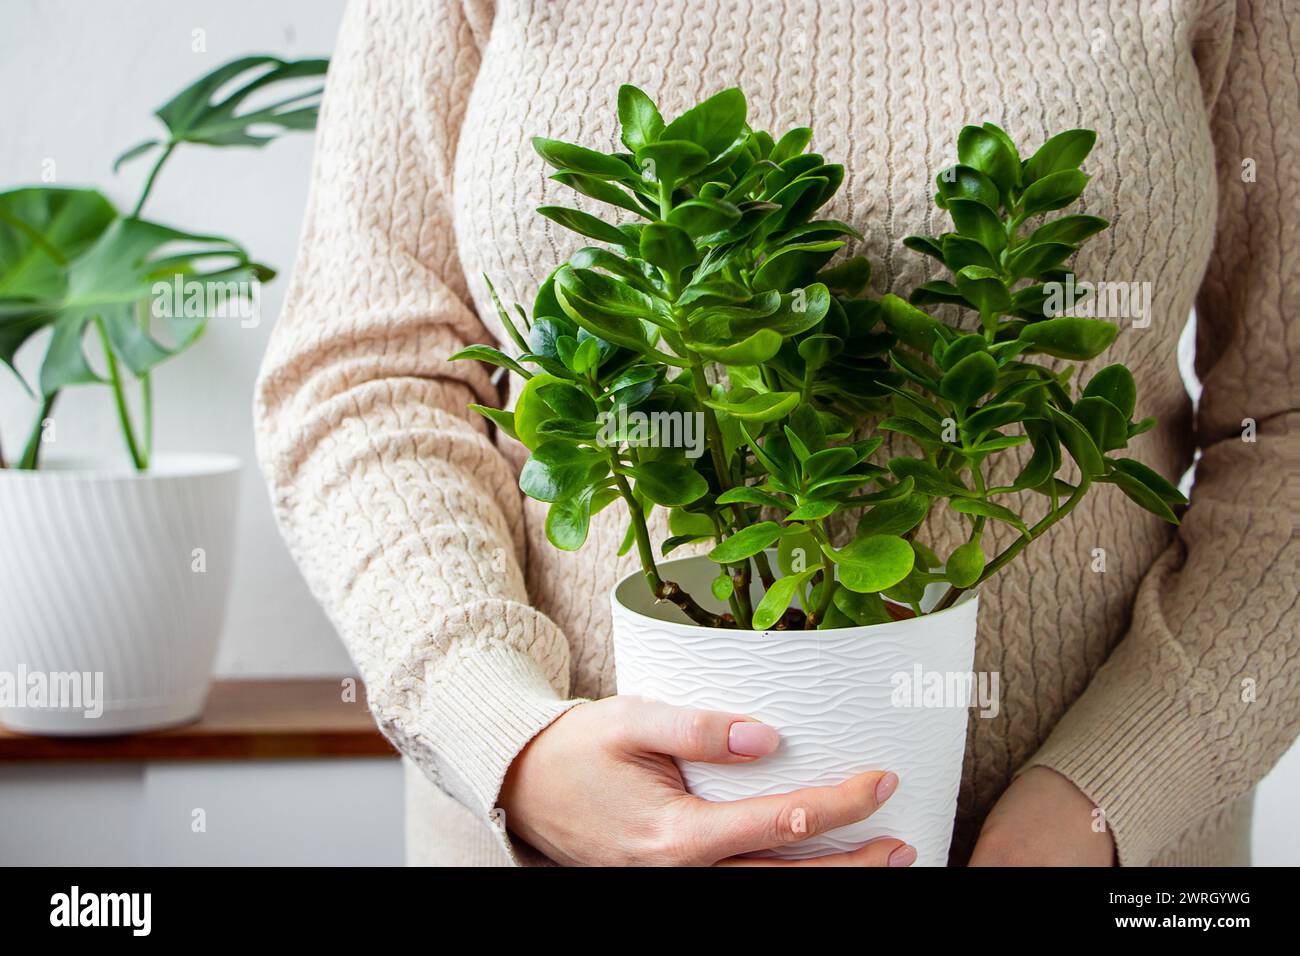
[404, 517]
[1202, 696]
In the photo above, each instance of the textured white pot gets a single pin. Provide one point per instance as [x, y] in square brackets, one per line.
[832, 695]
[119, 574]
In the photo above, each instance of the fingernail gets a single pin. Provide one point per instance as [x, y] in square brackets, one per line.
[751, 739]
[904, 856]
[885, 787]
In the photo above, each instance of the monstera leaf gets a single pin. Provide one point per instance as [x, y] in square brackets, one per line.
[116, 281]
[41, 231]
[196, 116]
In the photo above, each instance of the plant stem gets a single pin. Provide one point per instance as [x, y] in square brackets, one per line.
[1013, 549]
[148, 183]
[119, 397]
[663, 590]
[32, 451]
[829, 586]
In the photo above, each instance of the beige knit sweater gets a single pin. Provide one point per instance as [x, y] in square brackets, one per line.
[1164, 686]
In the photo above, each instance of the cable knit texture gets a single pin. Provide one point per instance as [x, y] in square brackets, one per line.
[1165, 686]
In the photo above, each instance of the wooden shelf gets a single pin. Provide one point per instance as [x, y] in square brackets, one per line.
[243, 720]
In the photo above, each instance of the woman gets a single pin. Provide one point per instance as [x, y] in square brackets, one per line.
[1150, 675]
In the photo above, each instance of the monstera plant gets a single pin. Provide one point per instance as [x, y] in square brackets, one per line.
[124, 572]
[72, 263]
[716, 296]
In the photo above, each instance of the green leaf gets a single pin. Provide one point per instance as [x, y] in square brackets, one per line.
[722, 587]
[712, 125]
[1038, 258]
[558, 469]
[670, 161]
[747, 494]
[925, 245]
[596, 305]
[1064, 151]
[1053, 191]
[910, 324]
[580, 159]
[1152, 479]
[41, 231]
[767, 407]
[791, 144]
[669, 483]
[1067, 229]
[486, 353]
[584, 224]
[702, 218]
[849, 277]
[797, 552]
[597, 189]
[966, 182]
[1142, 495]
[984, 289]
[195, 115]
[861, 609]
[759, 347]
[746, 543]
[873, 563]
[668, 247]
[568, 520]
[1115, 384]
[1078, 441]
[928, 478]
[182, 278]
[969, 380]
[975, 221]
[1070, 337]
[1107, 426]
[639, 116]
[778, 597]
[793, 267]
[987, 509]
[965, 564]
[502, 419]
[985, 151]
[894, 517]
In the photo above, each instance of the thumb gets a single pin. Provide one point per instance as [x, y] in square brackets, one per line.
[707, 735]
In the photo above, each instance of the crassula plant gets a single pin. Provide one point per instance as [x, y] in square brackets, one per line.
[706, 356]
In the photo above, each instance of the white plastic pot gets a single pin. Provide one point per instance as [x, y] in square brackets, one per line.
[840, 699]
[113, 573]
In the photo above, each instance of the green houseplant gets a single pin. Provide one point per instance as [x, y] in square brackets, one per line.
[713, 295]
[121, 577]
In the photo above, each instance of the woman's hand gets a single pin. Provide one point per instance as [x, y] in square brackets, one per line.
[1043, 820]
[599, 787]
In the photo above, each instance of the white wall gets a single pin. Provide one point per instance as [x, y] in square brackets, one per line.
[81, 82]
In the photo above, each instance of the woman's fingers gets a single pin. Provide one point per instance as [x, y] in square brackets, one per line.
[736, 827]
[885, 851]
[705, 735]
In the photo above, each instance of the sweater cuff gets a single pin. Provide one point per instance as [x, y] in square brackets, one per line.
[1137, 748]
[488, 704]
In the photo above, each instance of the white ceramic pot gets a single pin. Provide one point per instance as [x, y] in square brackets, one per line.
[842, 701]
[115, 577]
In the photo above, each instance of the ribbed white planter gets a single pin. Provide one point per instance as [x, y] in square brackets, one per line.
[114, 573]
[833, 696]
